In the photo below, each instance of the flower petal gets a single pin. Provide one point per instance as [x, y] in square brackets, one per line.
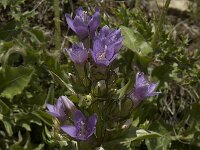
[98, 45]
[70, 21]
[143, 89]
[106, 45]
[80, 27]
[57, 110]
[110, 52]
[104, 31]
[94, 22]
[59, 105]
[92, 120]
[54, 114]
[140, 80]
[152, 87]
[113, 58]
[67, 103]
[50, 107]
[78, 54]
[78, 117]
[80, 12]
[93, 55]
[103, 62]
[70, 130]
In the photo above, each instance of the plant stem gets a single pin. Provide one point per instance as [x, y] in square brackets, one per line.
[57, 25]
[154, 42]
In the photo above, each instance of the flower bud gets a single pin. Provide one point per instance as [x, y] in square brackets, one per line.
[69, 105]
[100, 88]
[83, 24]
[78, 54]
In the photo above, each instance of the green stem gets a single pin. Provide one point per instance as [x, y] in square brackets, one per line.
[159, 26]
[57, 25]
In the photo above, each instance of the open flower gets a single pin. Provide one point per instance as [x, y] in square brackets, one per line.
[84, 24]
[83, 127]
[58, 109]
[78, 54]
[143, 88]
[106, 46]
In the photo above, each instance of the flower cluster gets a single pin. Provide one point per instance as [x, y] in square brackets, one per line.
[91, 57]
[106, 46]
[82, 128]
[106, 43]
[83, 24]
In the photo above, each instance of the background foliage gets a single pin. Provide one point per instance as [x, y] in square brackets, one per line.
[33, 72]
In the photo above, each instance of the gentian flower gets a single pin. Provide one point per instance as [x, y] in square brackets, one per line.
[78, 54]
[106, 46]
[57, 110]
[62, 104]
[83, 24]
[143, 88]
[69, 105]
[83, 127]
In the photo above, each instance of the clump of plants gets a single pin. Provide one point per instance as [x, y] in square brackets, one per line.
[103, 112]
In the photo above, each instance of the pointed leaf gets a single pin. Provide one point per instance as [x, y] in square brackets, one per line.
[14, 80]
[59, 80]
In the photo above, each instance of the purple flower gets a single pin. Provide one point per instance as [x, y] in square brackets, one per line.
[78, 54]
[83, 127]
[106, 46]
[69, 105]
[84, 24]
[58, 110]
[143, 88]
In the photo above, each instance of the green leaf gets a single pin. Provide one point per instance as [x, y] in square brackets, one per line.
[1, 117]
[61, 81]
[135, 41]
[26, 119]
[14, 80]
[8, 30]
[161, 143]
[4, 109]
[36, 35]
[26, 126]
[8, 127]
[140, 134]
[50, 96]
[45, 117]
[124, 89]
[133, 134]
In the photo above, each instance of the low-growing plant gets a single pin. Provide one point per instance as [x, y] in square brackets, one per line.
[89, 91]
